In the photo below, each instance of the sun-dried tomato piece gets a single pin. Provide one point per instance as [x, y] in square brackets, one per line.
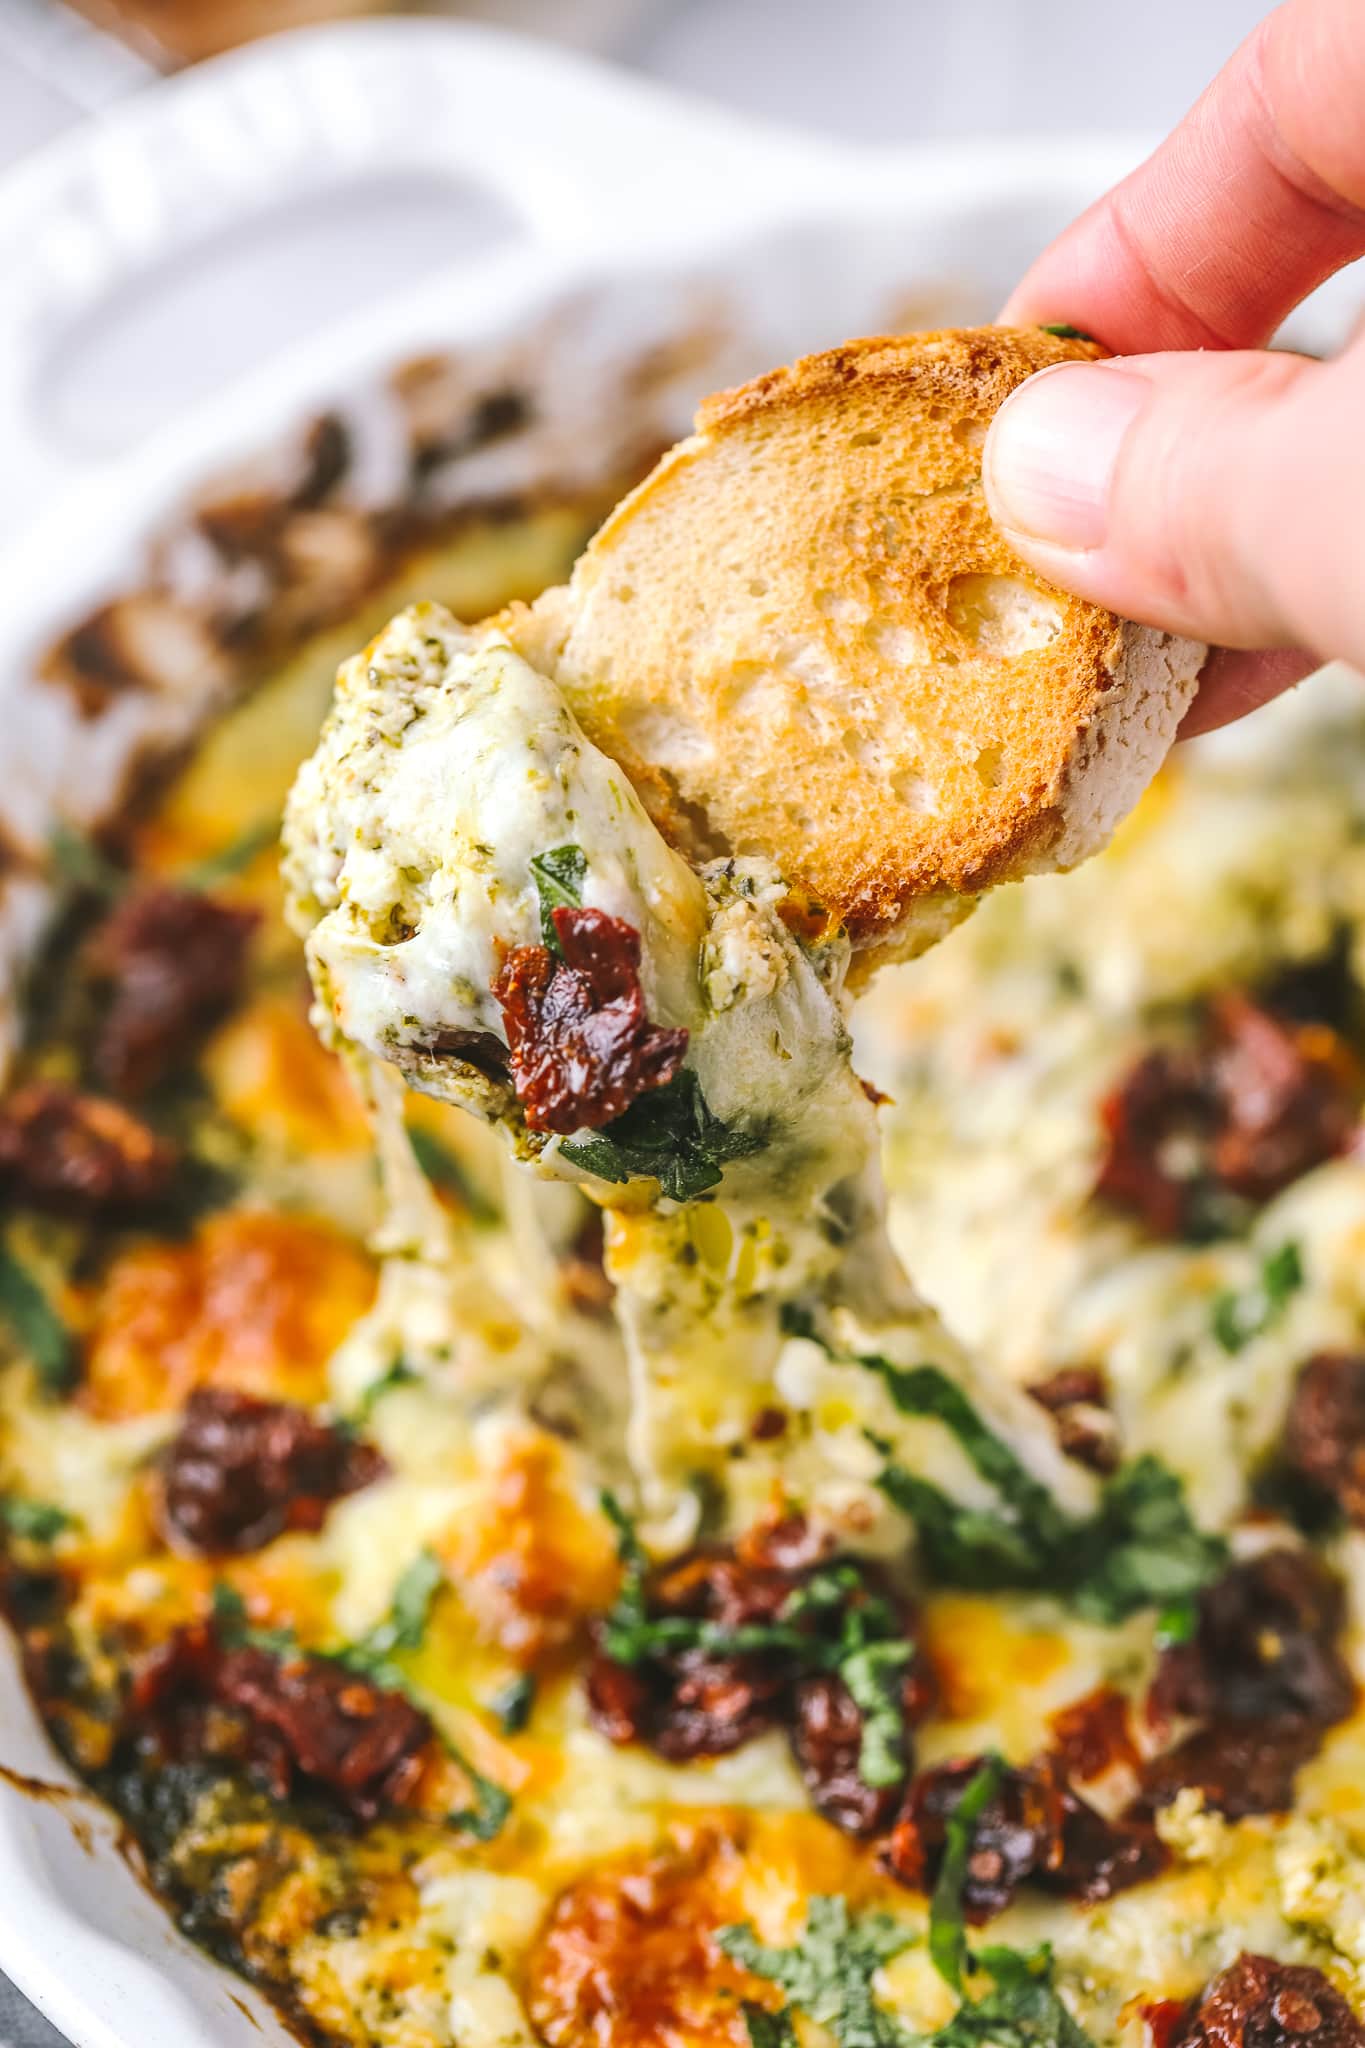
[299, 1723]
[582, 1048]
[1237, 1767]
[786, 1543]
[1163, 2019]
[627, 1957]
[1253, 1104]
[78, 1155]
[1265, 1647]
[1078, 1400]
[694, 1699]
[1094, 1735]
[620, 1705]
[1258, 2002]
[694, 1702]
[1036, 1830]
[313, 1719]
[715, 1704]
[826, 1740]
[1292, 1097]
[1324, 1436]
[239, 1471]
[1264, 1673]
[168, 964]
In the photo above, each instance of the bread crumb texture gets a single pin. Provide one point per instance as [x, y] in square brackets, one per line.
[803, 635]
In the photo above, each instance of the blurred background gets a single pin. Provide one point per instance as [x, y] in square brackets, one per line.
[881, 70]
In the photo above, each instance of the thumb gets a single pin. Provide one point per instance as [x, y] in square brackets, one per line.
[1217, 495]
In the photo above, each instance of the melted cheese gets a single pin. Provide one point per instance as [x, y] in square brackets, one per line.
[446, 767]
[997, 1070]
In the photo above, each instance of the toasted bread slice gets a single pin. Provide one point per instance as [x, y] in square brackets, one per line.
[803, 635]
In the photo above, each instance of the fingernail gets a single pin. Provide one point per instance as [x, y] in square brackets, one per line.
[1050, 455]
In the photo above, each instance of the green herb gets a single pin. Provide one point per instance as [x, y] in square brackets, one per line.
[559, 885]
[848, 1630]
[406, 1621]
[399, 1374]
[768, 2029]
[38, 1329]
[630, 1603]
[1023, 2010]
[1176, 1624]
[1142, 1549]
[36, 1521]
[369, 1659]
[947, 1924]
[1139, 1549]
[229, 1610]
[925, 1390]
[828, 1974]
[446, 1172]
[402, 1628]
[229, 1619]
[668, 1134]
[233, 858]
[81, 865]
[1064, 331]
[960, 1546]
[487, 1817]
[512, 1705]
[1238, 1316]
[875, 1676]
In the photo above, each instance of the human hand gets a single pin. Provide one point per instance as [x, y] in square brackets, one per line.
[1217, 490]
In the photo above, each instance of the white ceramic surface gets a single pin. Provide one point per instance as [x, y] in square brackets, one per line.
[614, 199]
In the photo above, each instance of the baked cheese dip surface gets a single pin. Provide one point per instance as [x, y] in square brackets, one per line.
[561, 1583]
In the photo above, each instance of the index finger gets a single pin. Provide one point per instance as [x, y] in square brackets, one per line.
[1255, 199]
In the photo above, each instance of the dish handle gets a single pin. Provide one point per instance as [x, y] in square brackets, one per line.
[159, 257]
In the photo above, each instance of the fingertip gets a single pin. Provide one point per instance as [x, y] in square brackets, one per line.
[1235, 681]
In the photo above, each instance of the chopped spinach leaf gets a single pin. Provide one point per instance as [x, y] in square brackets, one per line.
[947, 1924]
[961, 1546]
[1064, 331]
[514, 1702]
[486, 1816]
[37, 1328]
[828, 1974]
[446, 1172]
[233, 858]
[668, 1134]
[559, 885]
[36, 1521]
[926, 1390]
[1023, 2010]
[630, 1600]
[399, 1374]
[1140, 1548]
[229, 1619]
[81, 865]
[406, 1621]
[768, 2029]
[875, 1676]
[1240, 1315]
[849, 1631]
[229, 1610]
[1176, 1624]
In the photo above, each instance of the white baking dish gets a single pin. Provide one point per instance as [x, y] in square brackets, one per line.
[316, 178]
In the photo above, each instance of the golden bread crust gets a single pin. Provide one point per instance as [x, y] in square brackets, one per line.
[802, 634]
